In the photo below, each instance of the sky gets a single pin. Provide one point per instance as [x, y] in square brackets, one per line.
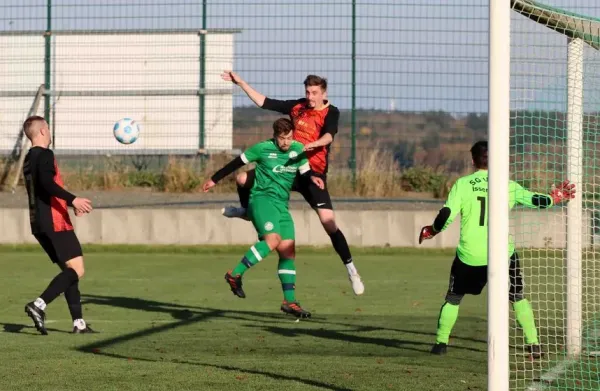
[412, 55]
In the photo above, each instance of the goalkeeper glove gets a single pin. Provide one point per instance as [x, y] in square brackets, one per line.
[564, 192]
[427, 233]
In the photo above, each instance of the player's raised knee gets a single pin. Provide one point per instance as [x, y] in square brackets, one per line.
[241, 178]
[327, 218]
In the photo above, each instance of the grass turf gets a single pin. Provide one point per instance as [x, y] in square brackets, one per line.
[167, 320]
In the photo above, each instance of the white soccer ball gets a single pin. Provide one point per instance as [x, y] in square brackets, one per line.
[126, 131]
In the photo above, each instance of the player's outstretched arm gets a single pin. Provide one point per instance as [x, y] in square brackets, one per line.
[445, 216]
[442, 220]
[281, 106]
[226, 170]
[255, 96]
[564, 192]
[252, 154]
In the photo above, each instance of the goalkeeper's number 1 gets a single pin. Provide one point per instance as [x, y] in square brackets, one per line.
[481, 211]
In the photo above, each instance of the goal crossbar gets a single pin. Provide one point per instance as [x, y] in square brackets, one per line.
[565, 22]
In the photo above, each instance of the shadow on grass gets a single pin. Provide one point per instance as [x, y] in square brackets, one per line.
[267, 322]
[26, 329]
[344, 336]
[271, 375]
[182, 312]
[193, 314]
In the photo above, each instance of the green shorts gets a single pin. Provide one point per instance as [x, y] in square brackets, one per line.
[271, 217]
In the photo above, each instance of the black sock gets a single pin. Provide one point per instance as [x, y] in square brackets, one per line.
[244, 194]
[341, 246]
[74, 300]
[59, 284]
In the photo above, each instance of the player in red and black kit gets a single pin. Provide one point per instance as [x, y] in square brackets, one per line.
[51, 225]
[315, 125]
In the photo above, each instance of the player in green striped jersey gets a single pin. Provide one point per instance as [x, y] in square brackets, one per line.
[278, 161]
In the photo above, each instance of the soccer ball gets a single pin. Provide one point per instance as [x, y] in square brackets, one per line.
[126, 131]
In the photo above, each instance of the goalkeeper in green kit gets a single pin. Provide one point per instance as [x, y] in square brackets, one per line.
[278, 161]
[468, 274]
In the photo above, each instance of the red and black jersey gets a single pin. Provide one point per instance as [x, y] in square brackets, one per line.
[48, 200]
[309, 125]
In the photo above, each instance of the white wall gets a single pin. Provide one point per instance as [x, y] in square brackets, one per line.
[109, 62]
[21, 69]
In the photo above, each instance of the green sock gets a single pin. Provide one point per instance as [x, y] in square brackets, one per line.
[252, 257]
[448, 316]
[524, 314]
[287, 275]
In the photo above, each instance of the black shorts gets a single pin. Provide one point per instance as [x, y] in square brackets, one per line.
[60, 246]
[317, 198]
[470, 280]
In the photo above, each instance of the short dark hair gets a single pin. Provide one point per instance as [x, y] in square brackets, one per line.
[479, 153]
[314, 80]
[282, 126]
[29, 122]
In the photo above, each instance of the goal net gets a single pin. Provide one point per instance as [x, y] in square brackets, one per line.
[555, 135]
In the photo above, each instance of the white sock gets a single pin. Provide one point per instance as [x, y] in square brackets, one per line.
[39, 303]
[351, 268]
[79, 323]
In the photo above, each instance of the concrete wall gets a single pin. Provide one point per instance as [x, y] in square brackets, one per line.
[537, 229]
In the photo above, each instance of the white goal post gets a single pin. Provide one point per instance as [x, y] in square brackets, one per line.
[498, 219]
[578, 31]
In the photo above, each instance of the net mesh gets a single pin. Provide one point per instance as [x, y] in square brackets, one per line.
[555, 89]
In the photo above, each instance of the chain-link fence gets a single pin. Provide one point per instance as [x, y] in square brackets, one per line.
[410, 79]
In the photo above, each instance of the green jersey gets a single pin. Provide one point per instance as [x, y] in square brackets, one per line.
[469, 197]
[275, 169]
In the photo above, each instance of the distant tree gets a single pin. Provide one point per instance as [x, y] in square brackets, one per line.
[477, 121]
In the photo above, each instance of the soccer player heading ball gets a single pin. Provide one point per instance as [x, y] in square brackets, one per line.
[468, 274]
[278, 161]
[315, 125]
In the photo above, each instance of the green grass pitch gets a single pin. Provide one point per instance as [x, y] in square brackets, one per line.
[167, 320]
